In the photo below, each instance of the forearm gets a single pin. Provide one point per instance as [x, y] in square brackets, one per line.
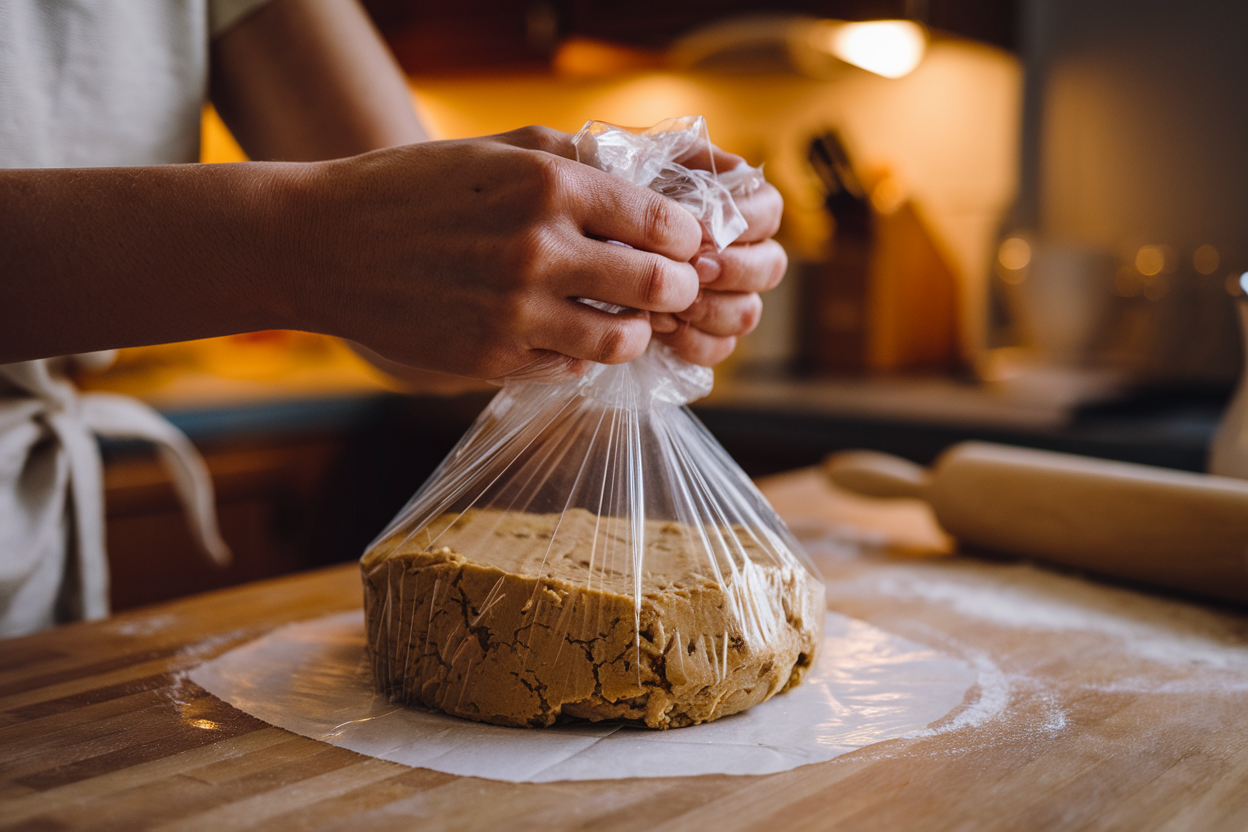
[112, 257]
[462, 257]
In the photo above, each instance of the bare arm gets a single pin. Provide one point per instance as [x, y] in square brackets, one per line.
[104, 258]
[462, 257]
[115, 257]
[305, 80]
[312, 80]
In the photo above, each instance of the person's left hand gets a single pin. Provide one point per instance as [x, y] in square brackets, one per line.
[728, 303]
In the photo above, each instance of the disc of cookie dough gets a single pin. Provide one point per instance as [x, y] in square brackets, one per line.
[526, 620]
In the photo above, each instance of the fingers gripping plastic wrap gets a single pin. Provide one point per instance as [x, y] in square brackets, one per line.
[588, 551]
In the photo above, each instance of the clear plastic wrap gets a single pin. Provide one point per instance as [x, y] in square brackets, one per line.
[588, 550]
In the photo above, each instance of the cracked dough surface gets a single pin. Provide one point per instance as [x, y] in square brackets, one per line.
[481, 615]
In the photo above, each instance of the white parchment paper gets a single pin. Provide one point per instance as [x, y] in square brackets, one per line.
[869, 686]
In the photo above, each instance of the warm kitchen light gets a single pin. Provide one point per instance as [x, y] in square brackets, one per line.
[888, 195]
[891, 48]
[1150, 260]
[1014, 253]
[1206, 260]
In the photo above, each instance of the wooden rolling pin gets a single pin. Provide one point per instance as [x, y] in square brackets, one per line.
[1155, 525]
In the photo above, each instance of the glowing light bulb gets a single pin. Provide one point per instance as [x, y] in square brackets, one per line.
[888, 195]
[891, 48]
[1206, 260]
[1014, 253]
[1150, 260]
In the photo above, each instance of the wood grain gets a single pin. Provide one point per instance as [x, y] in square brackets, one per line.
[100, 729]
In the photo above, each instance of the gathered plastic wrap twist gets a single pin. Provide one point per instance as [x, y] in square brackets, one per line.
[588, 550]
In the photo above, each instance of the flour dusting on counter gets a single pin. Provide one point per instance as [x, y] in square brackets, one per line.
[990, 701]
[1049, 648]
[1028, 597]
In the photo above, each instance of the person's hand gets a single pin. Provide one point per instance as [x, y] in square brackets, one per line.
[466, 256]
[728, 304]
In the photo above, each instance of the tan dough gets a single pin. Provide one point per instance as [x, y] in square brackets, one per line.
[537, 633]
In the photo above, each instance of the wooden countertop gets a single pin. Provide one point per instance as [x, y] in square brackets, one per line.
[1113, 710]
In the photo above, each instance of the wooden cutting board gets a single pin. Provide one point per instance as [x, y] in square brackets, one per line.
[100, 730]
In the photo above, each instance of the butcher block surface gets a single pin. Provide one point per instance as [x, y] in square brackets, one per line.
[1099, 707]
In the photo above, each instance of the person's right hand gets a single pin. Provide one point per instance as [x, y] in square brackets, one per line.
[466, 256]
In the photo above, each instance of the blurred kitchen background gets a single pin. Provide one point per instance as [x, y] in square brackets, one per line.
[1014, 220]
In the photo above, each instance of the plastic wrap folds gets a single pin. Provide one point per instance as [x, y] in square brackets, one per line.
[588, 550]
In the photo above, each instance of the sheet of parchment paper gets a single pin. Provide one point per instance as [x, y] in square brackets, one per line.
[868, 686]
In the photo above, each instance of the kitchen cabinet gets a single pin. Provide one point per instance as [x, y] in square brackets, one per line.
[475, 35]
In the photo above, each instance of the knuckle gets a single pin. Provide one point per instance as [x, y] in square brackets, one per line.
[669, 226]
[654, 285]
[532, 260]
[611, 345]
[614, 345]
[552, 174]
[663, 285]
[536, 253]
[551, 180]
[546, 139]
[530, 135]
[658, 220]
[533, 137]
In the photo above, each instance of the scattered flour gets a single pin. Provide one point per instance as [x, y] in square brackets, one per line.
[140, 626]
[994, 698]
[1055, 717]
[1026, 597]
[1166, 646]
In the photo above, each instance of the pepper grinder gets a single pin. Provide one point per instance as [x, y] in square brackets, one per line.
[1228, 454]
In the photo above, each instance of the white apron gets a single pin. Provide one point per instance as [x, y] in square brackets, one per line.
[52, 560]
[88, 83]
